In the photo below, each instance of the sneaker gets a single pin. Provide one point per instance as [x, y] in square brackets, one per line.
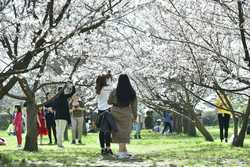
[60, 146]
[122, 155]
[109, 151]
[119, 155]
[73, 142]
[128, 154]
[103, 151]
[79, 142]
[226, 140]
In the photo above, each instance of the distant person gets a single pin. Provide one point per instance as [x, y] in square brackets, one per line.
[92, 121]
[62, 117]
[41, 122]
[85, 121]
[149, 121]
[124, 111]
[11, 129]
[18, 124]
[77, 119]
[105, 118]
[223, 117]
[157, 127]
[50, 121]
[168, 121]
[138, 126]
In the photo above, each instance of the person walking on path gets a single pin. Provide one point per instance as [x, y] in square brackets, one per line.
[124, 110]
[62, 117]
[105, 120]
[18, 124]
[77, 119]
[168, 120]
[223, 117]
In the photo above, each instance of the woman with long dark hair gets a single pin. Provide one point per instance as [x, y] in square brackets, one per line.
[124, 111]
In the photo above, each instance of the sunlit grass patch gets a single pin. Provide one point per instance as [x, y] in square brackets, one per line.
[152, 150]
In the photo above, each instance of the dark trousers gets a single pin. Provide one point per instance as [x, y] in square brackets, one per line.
[105, 139]
[166, 126]
[223, 125]
[53, 127]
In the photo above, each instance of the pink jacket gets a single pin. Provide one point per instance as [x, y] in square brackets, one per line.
[18, 119]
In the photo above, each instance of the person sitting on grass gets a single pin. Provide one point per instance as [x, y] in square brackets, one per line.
[11, 130]
[157, 127]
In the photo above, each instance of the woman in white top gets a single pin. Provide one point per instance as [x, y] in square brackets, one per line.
[103, 91]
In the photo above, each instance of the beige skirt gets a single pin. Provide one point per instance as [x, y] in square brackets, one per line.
[124, 121]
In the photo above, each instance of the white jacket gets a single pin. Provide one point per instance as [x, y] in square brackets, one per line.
[102, 98]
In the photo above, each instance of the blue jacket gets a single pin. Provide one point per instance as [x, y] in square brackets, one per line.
[106, 122]
[167, 117]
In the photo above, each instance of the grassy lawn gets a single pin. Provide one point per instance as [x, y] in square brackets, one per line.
[152, 150]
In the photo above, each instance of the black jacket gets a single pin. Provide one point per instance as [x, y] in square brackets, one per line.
[61, 106]
[50, 118]
[106, 122]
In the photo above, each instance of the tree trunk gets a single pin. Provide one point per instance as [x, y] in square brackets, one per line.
[31, 136]
[189, 126]
[201, 127]
[236, 123]
[239, 141]
[185, 125]
[177, 127]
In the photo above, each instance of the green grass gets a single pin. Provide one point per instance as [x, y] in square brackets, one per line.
[152, 150]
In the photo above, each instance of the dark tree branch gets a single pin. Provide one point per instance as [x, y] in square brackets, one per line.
[5, 89]
[242, 32]
[70, 77]
[17, 97]
[51, 12]
[62, 13]
[37, 80]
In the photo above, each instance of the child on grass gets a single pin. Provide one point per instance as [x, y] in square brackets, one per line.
[42, 129]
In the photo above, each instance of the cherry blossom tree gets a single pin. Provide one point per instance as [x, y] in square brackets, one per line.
[37, 34]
